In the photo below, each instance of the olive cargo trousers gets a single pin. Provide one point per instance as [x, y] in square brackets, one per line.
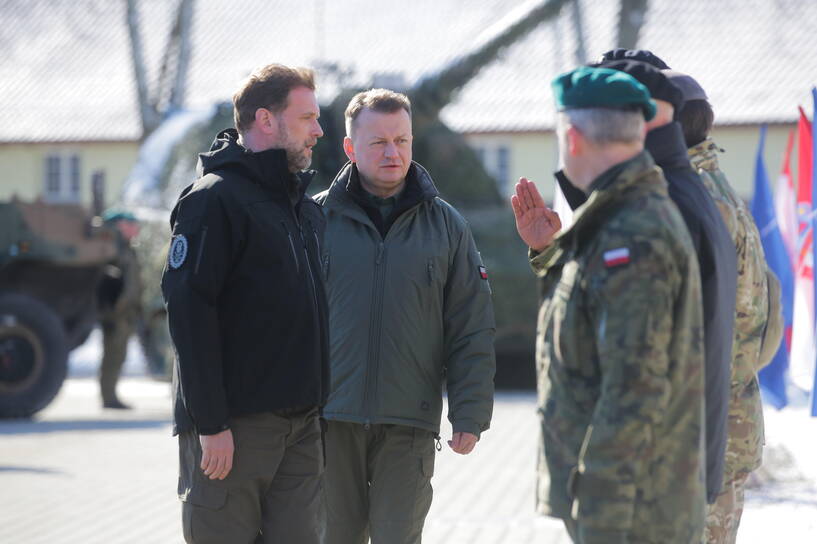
[271, 495]
[377, 483]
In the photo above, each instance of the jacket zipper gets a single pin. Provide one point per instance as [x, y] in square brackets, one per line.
[309, 267]
[374, 331]
[292, 247]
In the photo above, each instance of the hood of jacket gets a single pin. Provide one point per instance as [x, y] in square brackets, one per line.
[268, 168]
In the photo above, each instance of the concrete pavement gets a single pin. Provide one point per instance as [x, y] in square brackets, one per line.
[78, 474]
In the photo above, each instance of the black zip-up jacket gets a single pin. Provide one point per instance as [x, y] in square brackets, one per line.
[717, 261]
[242, 285]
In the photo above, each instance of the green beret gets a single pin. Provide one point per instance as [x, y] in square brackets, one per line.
[587, 87]
[113, 215]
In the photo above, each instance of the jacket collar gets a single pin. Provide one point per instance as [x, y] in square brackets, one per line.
[604, 191]
[667, 147]
[268, 168]
[345, 190]
[704, 156]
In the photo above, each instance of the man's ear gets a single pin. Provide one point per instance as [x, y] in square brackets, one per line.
[349, 148]
[266, 122]
[575, 141]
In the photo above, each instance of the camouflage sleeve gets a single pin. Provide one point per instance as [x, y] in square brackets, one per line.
[469, 338]
[632, 287]
[541, 262]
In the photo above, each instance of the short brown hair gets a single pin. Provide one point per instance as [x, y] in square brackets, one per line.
[379, 100]
[268, 87]
[696, 119]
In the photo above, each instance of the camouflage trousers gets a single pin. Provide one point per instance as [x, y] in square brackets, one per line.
[723, 517]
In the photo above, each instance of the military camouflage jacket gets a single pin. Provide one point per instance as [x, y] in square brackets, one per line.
[620, 365]
[745, 425]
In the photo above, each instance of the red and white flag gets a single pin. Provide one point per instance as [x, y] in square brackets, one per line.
[785, 205]
[801, 362]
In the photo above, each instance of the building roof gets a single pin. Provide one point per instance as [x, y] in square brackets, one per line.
[67, 73]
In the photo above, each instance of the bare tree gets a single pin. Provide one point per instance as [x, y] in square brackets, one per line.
[630, 19]
[168, 94]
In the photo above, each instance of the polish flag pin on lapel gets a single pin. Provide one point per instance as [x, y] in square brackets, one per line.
[616, 257]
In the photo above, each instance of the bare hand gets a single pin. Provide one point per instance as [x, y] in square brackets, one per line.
[536, 223]
[217, 454]
[463, 443]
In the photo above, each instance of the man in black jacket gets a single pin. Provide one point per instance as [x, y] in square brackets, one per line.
[712, 241]
[247, 314]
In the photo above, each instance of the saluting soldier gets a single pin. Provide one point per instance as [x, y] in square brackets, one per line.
[620, 334]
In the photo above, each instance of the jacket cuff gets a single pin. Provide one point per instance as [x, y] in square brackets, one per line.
[541, 261]
[467, 426]
[212, 430]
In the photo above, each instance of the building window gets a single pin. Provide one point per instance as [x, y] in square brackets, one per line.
[52, 175]
[73, 176]
[503, 169]
[63, 178]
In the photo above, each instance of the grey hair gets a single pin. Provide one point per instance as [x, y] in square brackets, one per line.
[605, 125]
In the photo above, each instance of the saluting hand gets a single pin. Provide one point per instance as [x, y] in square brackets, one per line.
[217, 454]
[536, 223]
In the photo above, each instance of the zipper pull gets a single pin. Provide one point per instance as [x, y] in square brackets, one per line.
[380, 250]
[438, 446]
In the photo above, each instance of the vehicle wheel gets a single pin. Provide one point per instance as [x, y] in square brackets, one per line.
[33, 355]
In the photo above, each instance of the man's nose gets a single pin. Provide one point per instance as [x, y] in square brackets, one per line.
[391, 150]
[317, 130]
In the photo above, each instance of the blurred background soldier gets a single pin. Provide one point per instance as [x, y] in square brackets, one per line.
[119, 295]
[758, 323]
[620, 351]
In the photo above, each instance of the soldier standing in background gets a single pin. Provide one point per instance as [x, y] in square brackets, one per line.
[120, 297]
[758, 323]
[620, 335]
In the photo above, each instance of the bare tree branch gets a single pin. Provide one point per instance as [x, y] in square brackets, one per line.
[147, 112]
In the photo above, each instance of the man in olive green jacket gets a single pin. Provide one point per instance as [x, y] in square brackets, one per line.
[410, 315]
[758, 319]
[620, 333]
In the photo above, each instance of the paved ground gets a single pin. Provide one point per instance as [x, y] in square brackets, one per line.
[82, 475]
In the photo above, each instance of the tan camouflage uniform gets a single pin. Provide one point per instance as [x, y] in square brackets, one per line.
[744, 447]
[620, 368]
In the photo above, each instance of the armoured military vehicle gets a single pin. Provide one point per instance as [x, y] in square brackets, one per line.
[52, 257]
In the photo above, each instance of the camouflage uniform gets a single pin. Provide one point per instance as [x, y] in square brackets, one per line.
[120, 307]
[620, 367]
[745, 424]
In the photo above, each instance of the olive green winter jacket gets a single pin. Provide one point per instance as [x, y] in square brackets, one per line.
[410, 309]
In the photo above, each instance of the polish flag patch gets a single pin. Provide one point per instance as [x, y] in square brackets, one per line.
[483, 272]
[616, 257]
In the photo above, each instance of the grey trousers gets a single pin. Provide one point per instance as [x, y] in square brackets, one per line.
[377, 483]
[272, 495]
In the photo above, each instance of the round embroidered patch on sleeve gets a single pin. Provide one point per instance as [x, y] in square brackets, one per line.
[178, 251]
